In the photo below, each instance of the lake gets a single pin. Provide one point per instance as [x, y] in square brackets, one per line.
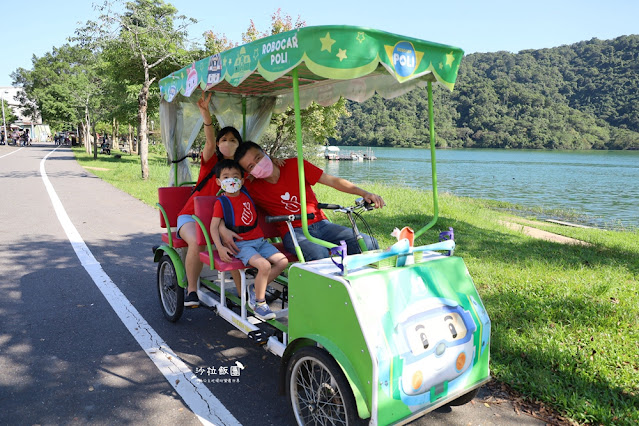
[601, 186]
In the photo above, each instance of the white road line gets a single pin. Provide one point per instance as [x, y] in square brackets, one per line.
[200, 400]
[12, 152]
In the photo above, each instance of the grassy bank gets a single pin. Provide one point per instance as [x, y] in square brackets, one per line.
[565, 326]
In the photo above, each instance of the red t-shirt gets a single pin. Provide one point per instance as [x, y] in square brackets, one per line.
[245, 215]
[282, 197]
[211, 187]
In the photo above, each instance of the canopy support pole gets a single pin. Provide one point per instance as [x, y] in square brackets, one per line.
[243, 118]
[431, 128]
[300, 165]
[175, 165]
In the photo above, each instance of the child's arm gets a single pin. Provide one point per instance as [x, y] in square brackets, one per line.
[215, 235]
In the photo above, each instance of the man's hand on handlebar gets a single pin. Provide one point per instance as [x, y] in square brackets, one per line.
[375, 199]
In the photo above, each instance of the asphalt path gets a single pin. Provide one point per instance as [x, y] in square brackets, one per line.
[66, 354]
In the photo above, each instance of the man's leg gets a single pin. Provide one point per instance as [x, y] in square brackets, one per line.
[311, 251]
[335, 233]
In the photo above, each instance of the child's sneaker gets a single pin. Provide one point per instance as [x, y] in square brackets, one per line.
[251, 296]
[262, 311]
[191, 300]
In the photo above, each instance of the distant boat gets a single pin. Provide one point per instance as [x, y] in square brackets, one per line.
[331, 153]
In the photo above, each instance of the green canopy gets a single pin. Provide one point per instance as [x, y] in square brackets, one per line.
[292, 69]
[324, 55]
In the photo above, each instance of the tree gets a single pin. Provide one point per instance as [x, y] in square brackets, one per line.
[572, 97]
[62, 88]
[9, 116]
[141, 44]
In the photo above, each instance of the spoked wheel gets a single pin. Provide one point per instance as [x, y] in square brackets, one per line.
[171, 294]
[318, 390]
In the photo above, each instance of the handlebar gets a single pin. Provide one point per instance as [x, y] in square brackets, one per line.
[284, 218]
[360, 203]
[329, 206]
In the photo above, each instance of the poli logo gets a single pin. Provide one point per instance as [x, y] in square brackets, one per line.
[404, 58]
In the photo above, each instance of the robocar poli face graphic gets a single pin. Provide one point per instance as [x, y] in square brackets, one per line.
[436, 346]
[191, 81]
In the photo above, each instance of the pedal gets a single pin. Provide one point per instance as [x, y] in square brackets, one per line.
[259, 336]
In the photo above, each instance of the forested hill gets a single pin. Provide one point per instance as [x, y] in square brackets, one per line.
[580, 96]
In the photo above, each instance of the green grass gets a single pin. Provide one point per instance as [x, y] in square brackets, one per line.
[125, 173]
[565, 326]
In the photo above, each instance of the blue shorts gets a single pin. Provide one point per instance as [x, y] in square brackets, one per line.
[250, 248]
[183, 219]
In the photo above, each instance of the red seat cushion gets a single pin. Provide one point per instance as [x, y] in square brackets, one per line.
[218, 264]
[177, 242]
[291, 257]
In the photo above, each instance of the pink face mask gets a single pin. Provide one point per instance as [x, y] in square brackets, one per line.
[227, 149]
[263, 169]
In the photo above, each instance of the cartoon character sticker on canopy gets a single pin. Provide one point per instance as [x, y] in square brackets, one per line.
[172, 93]
[214, 72]
[191, 81]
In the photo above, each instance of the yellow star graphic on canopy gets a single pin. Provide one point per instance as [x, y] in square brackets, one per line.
[360, 36]
[256, 53]
[341, 55]
[441, 66]
[327, 42]
[450, 58]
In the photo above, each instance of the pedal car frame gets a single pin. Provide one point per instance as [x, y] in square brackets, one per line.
[407, 331]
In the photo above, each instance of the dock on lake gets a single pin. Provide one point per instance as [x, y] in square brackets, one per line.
[334, 153]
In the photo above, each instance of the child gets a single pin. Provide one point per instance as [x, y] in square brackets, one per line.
[238, 211]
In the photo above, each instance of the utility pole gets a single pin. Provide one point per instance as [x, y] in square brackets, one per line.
[4, 123]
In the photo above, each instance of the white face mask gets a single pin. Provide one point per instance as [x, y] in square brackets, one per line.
[231, 185]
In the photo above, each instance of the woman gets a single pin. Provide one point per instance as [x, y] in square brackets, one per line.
[226, 142]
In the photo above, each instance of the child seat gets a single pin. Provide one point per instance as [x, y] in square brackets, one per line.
[204, 211]
[171, 200]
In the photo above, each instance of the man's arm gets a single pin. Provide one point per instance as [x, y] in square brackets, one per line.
[228, 237]
[344, 185]
[215, 235]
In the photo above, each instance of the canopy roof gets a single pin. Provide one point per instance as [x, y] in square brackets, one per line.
[326, 58]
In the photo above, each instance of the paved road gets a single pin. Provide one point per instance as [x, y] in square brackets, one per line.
[67, 357]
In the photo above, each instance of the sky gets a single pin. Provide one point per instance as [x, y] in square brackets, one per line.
[473, 25]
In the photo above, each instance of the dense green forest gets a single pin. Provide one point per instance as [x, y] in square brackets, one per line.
[580, 96]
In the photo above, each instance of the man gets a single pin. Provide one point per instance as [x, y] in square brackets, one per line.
[276, 190]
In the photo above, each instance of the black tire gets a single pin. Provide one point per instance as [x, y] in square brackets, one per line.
[170, 293]
[327, 398]
[464, 399]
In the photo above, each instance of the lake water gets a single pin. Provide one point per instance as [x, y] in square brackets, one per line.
[602, 186]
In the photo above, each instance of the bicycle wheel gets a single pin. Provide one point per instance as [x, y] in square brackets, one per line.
[318, 390]
[170, 293]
